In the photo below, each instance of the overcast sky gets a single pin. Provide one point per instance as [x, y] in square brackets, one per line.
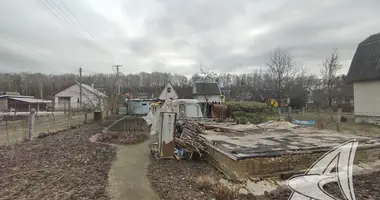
[232, 36]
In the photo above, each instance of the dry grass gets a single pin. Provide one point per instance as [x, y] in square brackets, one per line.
[348, 125]
[205, 182]
[222, 192]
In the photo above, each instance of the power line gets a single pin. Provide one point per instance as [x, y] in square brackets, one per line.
[11, 39]
[83, 27]
[72, 23]
[64, 23]
[75, 18]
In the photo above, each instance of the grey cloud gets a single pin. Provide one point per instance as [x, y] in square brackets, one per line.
[142, 46]
[198, 15]
[169, 35]
[180, 44]
[233, 62]
[13, 60]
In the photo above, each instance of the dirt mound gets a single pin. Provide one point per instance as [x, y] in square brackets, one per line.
[123, 138]
[131, 130]
[277, 125]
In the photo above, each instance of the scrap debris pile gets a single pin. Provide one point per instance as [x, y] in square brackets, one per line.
[188, 142]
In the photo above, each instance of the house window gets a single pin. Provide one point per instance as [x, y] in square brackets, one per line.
[143, 104]
[169, 89]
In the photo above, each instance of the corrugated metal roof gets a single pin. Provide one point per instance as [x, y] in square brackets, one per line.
[92, 90]
[10, 93]
[18, 96]
[86, 89]
[366, 62]
[184, 92]
[30, 100]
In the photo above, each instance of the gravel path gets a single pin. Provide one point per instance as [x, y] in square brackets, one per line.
[127, 177]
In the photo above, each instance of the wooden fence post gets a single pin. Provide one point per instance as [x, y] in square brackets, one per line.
[289, 113]
[70, 115]
[338, 117]
[6, 127]
[32, 115]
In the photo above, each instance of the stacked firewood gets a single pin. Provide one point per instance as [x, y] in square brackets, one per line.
[189, 139]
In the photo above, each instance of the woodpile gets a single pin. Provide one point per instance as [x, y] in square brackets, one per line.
[189, 140]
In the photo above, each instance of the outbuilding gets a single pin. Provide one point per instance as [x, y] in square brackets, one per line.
[364, 73]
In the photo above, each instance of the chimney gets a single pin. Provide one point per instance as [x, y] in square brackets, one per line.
[92, 85]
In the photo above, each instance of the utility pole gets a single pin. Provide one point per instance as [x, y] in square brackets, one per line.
[41, 91]
[118, 88]
[117, 78]
[80, 88]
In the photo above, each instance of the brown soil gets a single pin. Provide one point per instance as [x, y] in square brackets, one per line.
[132, 130]
[177, 180]
[60, 166]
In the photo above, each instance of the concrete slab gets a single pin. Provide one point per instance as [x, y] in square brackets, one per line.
[276, 149]
[272, 142]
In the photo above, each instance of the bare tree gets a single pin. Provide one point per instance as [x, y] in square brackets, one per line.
[281, 69]
[329, 69]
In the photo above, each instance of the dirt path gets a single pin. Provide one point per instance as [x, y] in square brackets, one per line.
[127, 177]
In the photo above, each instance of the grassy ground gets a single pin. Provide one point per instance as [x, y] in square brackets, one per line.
[347, 127]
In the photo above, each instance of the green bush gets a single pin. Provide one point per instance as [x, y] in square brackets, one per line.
[253, 112]
[241, 120]
[239, 113]
[272, 118]
[249, 106]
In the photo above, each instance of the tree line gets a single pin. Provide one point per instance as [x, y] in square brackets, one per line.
[283, 76]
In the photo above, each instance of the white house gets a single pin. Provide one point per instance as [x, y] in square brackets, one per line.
[168, 92]
[70, 98]
[364, 73]
[207, 92]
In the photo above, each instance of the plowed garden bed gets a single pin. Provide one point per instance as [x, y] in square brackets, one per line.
[60, 166]
[131, 130]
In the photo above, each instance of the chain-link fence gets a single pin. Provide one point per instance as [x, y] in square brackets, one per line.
[15, 126]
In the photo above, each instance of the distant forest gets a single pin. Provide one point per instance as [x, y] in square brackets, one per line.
[282, 76]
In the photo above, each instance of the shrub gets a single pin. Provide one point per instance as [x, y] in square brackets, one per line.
[222, 192]
[249, 106]
[239, 114]
[249, 111]
[241, 120]
[205, 182]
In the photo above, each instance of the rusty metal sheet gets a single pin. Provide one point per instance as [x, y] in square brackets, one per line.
[166, 134]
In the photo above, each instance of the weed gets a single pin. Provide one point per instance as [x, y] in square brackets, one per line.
[205, 182]
[222, 192]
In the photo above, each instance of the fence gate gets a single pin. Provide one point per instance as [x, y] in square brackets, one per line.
[166, 134]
